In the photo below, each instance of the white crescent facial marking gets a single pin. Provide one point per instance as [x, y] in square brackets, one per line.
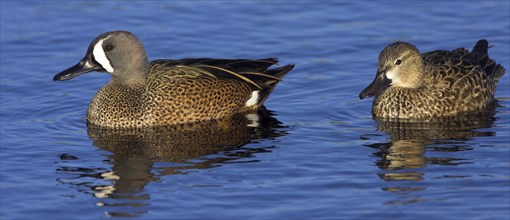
[254, 98]
[100, 56]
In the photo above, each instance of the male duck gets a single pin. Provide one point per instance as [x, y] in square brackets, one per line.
[165, 92]
[440, 83]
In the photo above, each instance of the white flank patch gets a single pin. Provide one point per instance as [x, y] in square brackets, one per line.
[101, 58]
[254, 120]
[253, 99]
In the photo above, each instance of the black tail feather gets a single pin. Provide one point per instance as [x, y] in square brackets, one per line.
[270, 84]
[480, 50]
[481, 54]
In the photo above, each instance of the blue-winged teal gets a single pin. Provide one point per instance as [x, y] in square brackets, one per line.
[166, 92]
[435, 84]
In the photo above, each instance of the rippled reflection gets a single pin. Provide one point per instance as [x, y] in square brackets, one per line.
[404, 157]
[141, 156]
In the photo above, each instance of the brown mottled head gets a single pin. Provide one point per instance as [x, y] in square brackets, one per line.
[400, 64]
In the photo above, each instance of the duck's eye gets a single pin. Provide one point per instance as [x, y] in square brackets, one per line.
[398, 62]
[108, 47]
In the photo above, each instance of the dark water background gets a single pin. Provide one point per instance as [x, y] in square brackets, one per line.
[320, 156]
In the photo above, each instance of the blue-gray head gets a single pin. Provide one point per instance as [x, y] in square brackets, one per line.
[119, 53]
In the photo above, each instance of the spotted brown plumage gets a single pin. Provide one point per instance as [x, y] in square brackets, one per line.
[165, 92]
[440, 83]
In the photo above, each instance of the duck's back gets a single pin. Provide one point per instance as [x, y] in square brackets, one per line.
[467, 80]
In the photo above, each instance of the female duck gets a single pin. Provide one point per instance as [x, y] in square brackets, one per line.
[440, 83]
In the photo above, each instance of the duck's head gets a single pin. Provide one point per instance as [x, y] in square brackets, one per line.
[400, 64]
[119, 53]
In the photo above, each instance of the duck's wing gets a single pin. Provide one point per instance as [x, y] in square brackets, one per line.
[470, 78]
[459, 62]
[253, 73]
[255, 70]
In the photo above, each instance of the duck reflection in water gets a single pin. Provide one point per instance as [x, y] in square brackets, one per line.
[403, 158]
[143, 155]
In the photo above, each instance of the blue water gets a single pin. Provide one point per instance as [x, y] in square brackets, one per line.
[321, 157]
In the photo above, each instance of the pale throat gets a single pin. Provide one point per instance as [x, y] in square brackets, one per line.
[411, 80]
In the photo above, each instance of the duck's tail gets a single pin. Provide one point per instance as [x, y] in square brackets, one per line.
[481, 54]
[270, 83]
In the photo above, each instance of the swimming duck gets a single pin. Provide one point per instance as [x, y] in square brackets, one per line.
[164, 92]
[410, 85]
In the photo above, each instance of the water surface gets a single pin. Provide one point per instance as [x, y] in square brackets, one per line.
[318, 154]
